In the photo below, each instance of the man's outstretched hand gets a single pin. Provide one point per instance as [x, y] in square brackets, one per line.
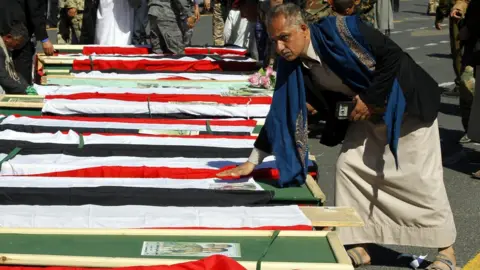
[241, 170]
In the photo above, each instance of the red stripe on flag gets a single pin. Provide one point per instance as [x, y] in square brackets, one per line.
[214, 262]
[152, 172]
[220, 51]
[248, 123]
[89, 50]
[262, 228]
[166, 98]
[163, 65]
[206, 136]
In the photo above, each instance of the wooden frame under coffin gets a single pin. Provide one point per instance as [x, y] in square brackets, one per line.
[306, 250]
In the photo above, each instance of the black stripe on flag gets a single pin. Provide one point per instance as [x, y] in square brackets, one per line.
[50, 129]
[115, 196]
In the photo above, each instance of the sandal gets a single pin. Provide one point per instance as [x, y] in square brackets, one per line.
[443, 259]
[356, 258]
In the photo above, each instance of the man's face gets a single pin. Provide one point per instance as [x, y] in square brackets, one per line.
[13, 43]
[290, 40]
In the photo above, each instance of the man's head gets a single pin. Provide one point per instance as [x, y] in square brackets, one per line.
[288, 30]
[344, 7]
[16, 37]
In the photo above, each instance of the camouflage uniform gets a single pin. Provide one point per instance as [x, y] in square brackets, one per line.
[70, 29]
[432, 6]
[168, 24]
[218, 22]
[464, 71]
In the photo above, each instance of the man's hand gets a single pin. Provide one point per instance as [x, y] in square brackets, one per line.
[361, 110]
[206, 4]
[191, 21]
[438, 25]
[456, 14]
[242, 170]
[48, 48]
[72, 12]
[196, 11]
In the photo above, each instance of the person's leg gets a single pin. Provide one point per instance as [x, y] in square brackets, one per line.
[23, 61]
[218, 24]
[139, 36]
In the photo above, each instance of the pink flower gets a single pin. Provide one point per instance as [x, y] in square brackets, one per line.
[265, 82]
[254, 80]
[269, 71]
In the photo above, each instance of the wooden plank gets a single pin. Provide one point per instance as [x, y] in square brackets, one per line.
[333, 216]
[21, 101]
[315, 189]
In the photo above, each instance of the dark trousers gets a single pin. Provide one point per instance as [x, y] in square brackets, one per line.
[23, 61]
[141, 30]
[52, 12]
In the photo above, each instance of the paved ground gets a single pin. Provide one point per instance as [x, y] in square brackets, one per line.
[415, 33]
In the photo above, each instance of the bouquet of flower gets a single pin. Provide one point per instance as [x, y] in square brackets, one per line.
[263, 78]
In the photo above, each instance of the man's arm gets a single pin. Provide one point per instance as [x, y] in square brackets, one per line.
[387, 56]
[9, 84]
[461, 6]
[76, 4]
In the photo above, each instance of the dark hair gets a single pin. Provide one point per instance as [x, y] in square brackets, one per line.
[341, 6]
[17, 30]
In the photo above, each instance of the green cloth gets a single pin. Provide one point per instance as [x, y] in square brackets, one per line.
[31, 91]
[283, 249]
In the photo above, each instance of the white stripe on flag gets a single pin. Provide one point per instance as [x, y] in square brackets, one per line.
[73, 138]
[44, 90]
[160, 75]
[125, 217]
[72, 182]
[48, 163]
[23, 120]
[154, 59]
[108, 106]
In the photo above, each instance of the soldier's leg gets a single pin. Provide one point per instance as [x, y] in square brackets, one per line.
[218, 24]
[166, 36]
[466, 89]
[77, 22]
[156, 38]
[63, 32]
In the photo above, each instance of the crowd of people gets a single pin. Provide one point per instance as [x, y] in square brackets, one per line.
[390, 166]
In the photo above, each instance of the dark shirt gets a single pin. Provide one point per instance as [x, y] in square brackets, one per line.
[35, 17]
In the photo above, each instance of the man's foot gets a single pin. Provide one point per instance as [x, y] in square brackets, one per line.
[465, 139]
[443, 262]
[359, 256]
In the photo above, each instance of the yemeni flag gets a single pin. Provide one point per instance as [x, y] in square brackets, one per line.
[52, 124]
[157, 106]
[214, 262]
[125, 155]
[155, 63]
[139, 50]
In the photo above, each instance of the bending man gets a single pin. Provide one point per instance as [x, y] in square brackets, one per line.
[390, 168]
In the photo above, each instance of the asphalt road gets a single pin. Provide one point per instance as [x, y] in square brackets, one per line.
[415, 33]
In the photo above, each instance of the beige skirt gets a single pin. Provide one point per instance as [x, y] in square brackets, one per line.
[408, 206]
